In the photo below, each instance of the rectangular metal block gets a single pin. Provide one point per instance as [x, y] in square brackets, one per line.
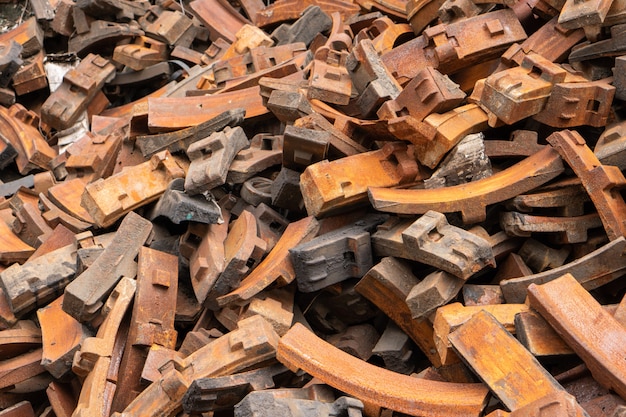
[85, 295]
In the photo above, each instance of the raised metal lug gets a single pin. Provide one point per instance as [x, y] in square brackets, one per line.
[102, 344]
[302, 349]
[521, 143]
[108, 200]
[12, 248]
[84, 296]
[340, 144]
[54, 216]
[565, 200]
[211, 157]
[288, 106]
[452, 10]
[335, 256]
[275, 306]
[610, 147]
[80, 86]
[29, 224]
[331, 187]
[93, 156]
[330, 80]
[270, 224]
[552, 41]
[171, 27]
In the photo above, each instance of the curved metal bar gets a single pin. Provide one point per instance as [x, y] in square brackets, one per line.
[472, 198]
[300, 348]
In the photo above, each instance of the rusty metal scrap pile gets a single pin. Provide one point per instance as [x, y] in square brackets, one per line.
[313, 208]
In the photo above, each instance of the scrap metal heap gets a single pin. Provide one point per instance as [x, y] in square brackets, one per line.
[313, 208]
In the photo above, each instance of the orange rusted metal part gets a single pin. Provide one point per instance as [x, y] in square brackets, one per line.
[331, 187]
[387, 285]
[167, 113]
[62, 336]
[276, 267]
[450, 48]
[302, 349]
[108, 200]
[596, 337]
[220, 17]
[152, 320]
[20, 128]
[284, 10]
[602, 182]
[245, 348]
[514, 375]
[551, 41]
[471, 199]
